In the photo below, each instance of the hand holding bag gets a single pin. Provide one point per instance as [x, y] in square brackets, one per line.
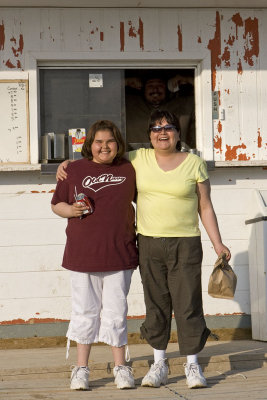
[222, 282]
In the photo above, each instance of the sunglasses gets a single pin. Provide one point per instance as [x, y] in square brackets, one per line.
[166, 128]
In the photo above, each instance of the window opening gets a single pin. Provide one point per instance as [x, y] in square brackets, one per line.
[147, 90]
[73, 98]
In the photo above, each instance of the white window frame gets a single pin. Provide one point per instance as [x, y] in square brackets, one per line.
[203, 98]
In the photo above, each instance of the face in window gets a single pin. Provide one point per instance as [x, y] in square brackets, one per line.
[104, 147]
[155, 91]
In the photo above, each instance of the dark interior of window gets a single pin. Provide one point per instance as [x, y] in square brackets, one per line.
[76, 98]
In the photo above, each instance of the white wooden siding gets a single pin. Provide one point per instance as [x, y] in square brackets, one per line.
[32, 283]
[233, 39]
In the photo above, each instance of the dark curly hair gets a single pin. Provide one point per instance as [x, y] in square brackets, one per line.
[103, 125]
[158, 115]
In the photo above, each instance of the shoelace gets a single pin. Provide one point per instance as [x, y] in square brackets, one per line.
[192, 369]
[81, 372]
[124, 369]
[127, 354]
[158, 365]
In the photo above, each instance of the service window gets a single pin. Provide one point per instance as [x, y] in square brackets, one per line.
[76, 98]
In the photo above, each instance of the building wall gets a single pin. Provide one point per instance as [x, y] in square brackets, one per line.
[33, 286]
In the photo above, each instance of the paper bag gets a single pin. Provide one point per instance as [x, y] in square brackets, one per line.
[222, 282]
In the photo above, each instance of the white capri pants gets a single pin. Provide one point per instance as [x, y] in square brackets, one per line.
[99, 307]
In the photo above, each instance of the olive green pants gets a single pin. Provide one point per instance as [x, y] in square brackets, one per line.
[171, 275]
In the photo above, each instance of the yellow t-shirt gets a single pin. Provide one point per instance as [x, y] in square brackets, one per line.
[167, 202]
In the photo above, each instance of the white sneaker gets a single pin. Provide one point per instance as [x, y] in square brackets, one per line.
[194, 376]
[79, 378]
[157, 375]
[123, 377]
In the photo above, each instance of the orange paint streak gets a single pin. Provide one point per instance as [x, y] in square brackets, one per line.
[219, 127]
[252, 38]
[227, 91]
[231, 40]
[199, 40]
[2, 36]
[132, 32]
[141, 34]
[226, 57]
[52, 191]
[122, 36]
[218, 143]
[180, 38]
[231, 152]
[219, 96]
[243, 157]
[237, 21]
[21, 44]
[239, 67]
[215, 48]
[32, 321]
[102, 36]
[259, 139]
[9, 64]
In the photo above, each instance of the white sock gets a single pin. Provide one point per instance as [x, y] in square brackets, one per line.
[158, 355]
[192, 359]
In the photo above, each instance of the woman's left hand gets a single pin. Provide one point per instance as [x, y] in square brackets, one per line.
[221, 248]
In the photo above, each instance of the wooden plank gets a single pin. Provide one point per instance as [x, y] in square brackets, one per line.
[90, 29]
[71, 29]
[26, 206]
[50, 30]
[232, 227]
[47, 284]
[239, 305]
[30, 258]
[33, 232]
[41, 308]
[238, 248]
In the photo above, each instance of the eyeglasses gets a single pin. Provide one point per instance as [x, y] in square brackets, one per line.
[166, 128]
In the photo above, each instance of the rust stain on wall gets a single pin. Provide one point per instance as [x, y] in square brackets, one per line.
[132, 31]
[141, 34]
[251, 36]
[231, 153]
[218, 143]
[243, 157]
[237, 20]
[32, 321]
[2, 36]
[231, 40]
[180, 38]
[122, 36]
[239, 67]
[102, 36]
[226, 56]
[214, 46]
[199, 40]
[9, 64]
[259, 139]
[219, 127]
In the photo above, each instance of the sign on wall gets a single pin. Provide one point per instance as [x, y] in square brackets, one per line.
[14, 121]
